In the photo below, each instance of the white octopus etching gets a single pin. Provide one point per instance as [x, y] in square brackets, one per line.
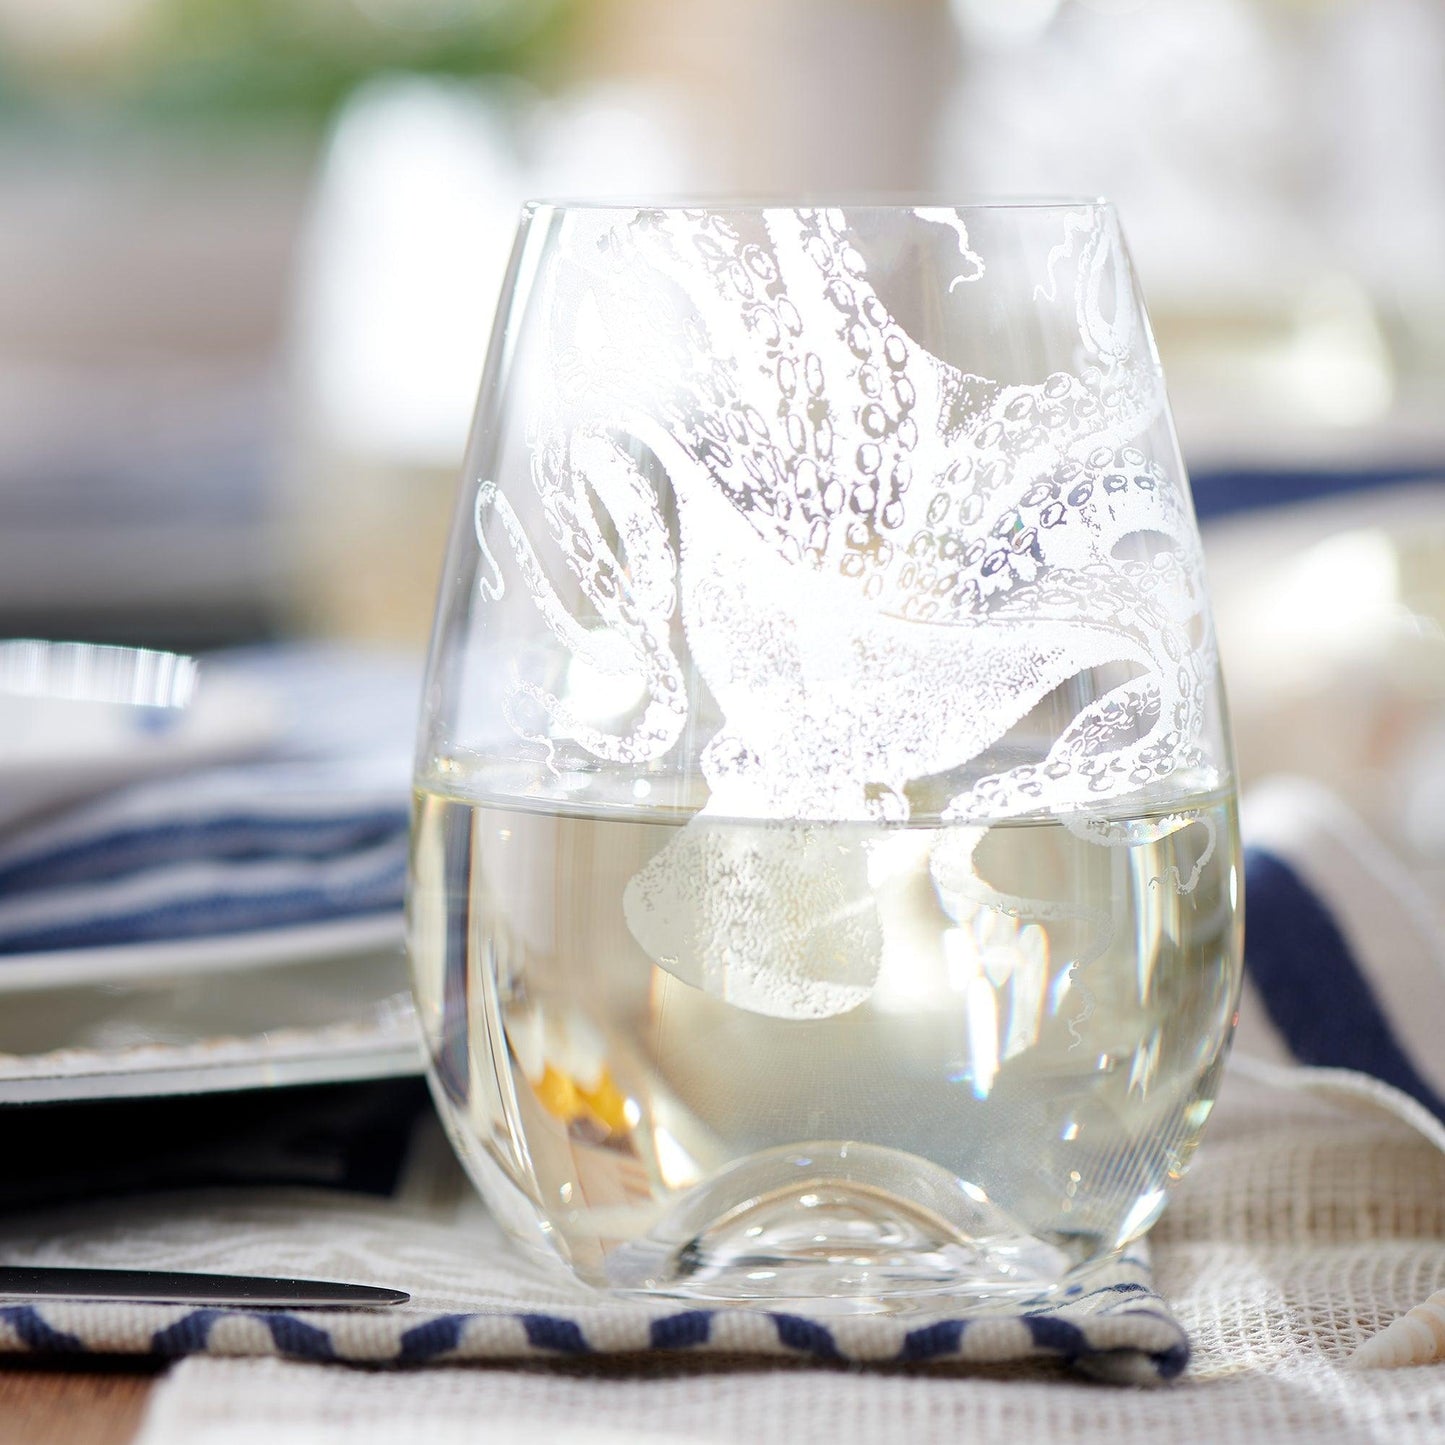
[883, 562]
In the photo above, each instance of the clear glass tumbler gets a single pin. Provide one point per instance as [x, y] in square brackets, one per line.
[825, 878]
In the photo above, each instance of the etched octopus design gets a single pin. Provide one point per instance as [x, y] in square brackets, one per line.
[884, 563]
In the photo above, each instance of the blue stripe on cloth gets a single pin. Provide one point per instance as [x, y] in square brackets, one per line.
[1061, 1336]
[188, 1335]
[1171, 1363]
[221, 913]
[29, 1325]
[681, 1331]
[1224, 493]
[928, 1342]
[230, 838]
[809, 1336]
[555, 1332]
[1312, 985]
[297, 1339]
[426, 1341]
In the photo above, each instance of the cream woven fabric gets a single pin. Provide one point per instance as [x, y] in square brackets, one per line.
[1305, 1227]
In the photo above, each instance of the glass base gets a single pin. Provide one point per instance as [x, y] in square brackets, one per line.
[848, 1227]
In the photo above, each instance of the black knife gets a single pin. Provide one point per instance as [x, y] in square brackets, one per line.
[158, 1286]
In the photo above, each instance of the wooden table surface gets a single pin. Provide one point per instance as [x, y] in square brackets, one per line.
[65, 1406]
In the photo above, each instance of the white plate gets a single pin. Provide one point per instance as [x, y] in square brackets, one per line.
[54, 752]
[313, 1019]
[133, 962]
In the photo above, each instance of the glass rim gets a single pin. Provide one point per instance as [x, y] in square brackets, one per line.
[723, 204]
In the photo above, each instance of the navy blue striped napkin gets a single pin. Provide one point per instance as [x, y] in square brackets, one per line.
[311, 833]
[1345, 958]
[260, 846]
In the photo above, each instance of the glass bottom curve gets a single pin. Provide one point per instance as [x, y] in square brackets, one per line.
[843, 1226]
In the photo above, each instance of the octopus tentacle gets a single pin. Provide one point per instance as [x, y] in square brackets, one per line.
[631, 639]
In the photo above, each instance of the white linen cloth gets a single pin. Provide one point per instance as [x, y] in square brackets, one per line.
[1304, 1228]
[475, 1299]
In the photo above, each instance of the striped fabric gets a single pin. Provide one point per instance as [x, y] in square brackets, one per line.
[1230, 492]
[1117, 1331]
[269, 845]
[1108, 1324]
[313, 832]
[1345, 964]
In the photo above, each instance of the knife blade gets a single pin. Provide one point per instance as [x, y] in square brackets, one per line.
[156, 1286]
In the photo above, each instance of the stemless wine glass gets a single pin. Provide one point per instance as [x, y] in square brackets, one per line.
[825, 877]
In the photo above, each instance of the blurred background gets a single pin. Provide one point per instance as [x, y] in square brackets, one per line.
[250, 251]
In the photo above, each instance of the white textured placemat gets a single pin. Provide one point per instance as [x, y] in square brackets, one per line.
[473, 1298]
[1303, 1230]
[228, 1402]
